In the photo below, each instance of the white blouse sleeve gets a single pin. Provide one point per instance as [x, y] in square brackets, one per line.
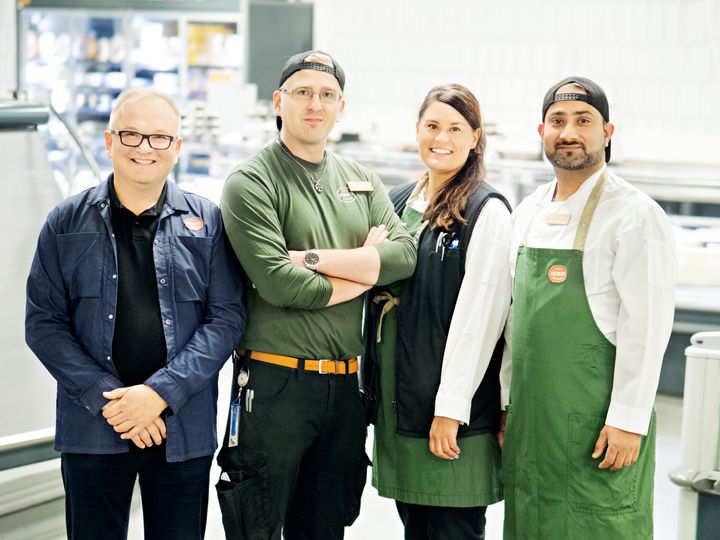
[644, 273]
[480, 312]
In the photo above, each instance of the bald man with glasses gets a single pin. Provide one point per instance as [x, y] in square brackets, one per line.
[134, 303]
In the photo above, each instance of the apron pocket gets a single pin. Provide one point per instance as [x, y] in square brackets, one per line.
[593, 490]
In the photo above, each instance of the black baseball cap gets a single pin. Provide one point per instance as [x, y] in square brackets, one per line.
[297, 63]
[594, 96]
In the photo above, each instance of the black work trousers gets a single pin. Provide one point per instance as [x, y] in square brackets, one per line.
[442, 523]
[99, 487]
[300, 466]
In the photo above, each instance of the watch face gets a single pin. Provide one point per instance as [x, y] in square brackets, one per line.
[311, 259]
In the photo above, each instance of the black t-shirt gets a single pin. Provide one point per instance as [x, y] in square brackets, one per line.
[138, 348]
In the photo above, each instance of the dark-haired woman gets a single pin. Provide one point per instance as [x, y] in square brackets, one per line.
[436, 334]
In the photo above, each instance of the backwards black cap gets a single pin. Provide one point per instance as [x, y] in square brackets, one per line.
[297, 63]
[594, 95]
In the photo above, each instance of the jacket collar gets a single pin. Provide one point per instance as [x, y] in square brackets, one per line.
[174, 196]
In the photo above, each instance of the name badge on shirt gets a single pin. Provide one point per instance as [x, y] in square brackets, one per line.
[558, 219]
[359, 185]
[193, 223]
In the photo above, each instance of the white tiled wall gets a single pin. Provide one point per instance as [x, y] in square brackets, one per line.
[7, 47]
[658, 61]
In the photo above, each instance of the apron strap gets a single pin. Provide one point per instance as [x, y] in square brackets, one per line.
[588, 213]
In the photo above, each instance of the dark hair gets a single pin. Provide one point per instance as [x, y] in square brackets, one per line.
[450, 200]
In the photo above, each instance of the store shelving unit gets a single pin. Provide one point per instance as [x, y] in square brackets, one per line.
[79, 60]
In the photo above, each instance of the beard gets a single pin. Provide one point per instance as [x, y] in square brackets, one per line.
[583, 160]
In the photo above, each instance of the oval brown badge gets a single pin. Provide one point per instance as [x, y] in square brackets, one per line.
[193, 223]
[557, 273]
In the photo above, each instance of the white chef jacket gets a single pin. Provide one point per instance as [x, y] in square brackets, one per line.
[480, 312]
[629, 268]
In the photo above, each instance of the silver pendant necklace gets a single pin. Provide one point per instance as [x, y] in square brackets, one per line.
[314, 179]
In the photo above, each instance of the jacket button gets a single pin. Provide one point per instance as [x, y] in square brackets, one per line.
[168, 322]
[162, 280]
[156, 242]
[108, 358]
[114, 276]
[110, 316]
[102, 205]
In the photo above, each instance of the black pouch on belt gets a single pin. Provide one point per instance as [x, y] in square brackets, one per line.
[242, 494]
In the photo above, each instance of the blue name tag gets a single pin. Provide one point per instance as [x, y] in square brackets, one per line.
[234, 422]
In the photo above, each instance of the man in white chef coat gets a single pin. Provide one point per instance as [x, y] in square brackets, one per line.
[593, 300]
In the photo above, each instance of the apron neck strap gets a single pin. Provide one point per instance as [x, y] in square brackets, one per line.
[588, 212]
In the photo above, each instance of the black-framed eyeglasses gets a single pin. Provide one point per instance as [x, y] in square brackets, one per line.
[135, 139]
[306, 94]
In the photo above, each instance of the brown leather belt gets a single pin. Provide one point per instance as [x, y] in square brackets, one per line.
[324, 367]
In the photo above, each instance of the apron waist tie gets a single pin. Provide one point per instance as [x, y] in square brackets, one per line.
[390, 302]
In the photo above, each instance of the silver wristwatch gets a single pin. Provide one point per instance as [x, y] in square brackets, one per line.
[311, 260]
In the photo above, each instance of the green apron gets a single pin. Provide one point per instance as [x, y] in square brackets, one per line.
[403, 467]
[562, 377]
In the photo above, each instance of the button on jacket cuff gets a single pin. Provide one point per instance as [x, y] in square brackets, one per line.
[93, 399]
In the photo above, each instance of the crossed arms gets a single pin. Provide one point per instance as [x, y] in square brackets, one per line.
[351, 272]
[250, 211]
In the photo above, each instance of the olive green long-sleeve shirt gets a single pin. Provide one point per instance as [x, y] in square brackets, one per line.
[270, 206]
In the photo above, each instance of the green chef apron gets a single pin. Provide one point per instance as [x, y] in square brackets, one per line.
[562, 377]
[403, 467]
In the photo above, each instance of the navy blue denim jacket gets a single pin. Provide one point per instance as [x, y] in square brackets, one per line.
[69, 322]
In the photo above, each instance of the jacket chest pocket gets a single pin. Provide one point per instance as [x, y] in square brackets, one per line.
[191, 266]
[81, 257]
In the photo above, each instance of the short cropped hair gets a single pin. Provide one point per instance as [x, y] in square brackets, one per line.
[138, 93]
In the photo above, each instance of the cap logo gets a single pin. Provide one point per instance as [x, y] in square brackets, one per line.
[317, 66]
[571, 97]
[557, 273]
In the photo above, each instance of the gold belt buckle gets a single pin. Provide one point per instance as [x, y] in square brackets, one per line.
[323, 372]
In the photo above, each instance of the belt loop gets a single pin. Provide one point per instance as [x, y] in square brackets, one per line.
[301, 369]
[347, 367]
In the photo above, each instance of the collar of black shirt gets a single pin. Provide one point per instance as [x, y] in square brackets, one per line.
[117, 206]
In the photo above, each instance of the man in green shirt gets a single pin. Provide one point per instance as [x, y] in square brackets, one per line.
[314, 232]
